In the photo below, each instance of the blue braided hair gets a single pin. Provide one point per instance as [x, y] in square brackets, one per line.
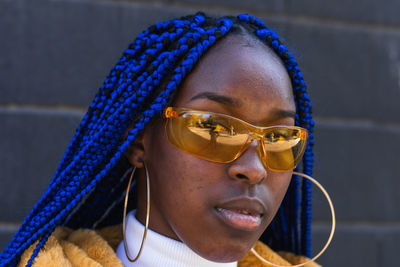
[87, 189]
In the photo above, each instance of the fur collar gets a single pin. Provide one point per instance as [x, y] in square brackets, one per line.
[89, 248]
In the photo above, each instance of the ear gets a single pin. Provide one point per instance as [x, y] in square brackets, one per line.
[135, 152]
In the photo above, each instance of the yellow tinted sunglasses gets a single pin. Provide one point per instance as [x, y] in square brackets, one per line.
[222, 138]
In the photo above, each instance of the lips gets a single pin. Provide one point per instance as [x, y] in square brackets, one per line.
[241, 213]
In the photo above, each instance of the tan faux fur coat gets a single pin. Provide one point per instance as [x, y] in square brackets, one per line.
[89, 248]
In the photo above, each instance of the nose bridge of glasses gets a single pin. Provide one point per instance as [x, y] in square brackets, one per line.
[257, 134]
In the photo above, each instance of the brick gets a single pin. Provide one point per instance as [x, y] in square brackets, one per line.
[7, 231]
[358, 245]
[9, 46]
[367, 11]
[265, 5]
[388, 249]
[32, 146]
[351, 72]
[358, 167]
[59, 52]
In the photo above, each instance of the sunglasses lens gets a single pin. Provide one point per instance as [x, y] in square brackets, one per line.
[207, 136]
[284, 148]
[221, 138]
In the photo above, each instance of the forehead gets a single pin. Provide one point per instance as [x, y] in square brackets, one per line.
[241, 68]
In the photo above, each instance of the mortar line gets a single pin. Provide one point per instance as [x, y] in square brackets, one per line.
[359, 224]
[42, 109]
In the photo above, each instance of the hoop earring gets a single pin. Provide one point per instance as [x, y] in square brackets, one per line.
[330, 235]
[147, 215]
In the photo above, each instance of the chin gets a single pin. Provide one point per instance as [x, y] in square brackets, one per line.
[227, 254]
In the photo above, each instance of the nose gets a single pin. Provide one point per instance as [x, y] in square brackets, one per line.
[248, 167]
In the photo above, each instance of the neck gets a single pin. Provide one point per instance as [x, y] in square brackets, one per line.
[159, 250]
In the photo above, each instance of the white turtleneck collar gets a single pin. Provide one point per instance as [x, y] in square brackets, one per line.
[159, 250]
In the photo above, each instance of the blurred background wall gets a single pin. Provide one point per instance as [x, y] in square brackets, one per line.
[54, 55]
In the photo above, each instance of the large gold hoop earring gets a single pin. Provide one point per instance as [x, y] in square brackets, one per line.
[147, 215]
[330, 235]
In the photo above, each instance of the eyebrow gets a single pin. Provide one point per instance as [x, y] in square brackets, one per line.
[230, 101]
[225, 100]
[282, 113]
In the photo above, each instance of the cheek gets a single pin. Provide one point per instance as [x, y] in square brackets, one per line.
[280, 183]
[178, 177]
[277, 185]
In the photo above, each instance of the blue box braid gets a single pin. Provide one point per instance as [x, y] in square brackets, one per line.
[144, 39]
[137, 89]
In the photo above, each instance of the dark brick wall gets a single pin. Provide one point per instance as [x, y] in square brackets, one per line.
[54, 55]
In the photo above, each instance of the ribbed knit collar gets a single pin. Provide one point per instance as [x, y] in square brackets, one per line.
[159, 250]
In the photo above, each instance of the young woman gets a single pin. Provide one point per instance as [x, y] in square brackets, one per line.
[201, 113]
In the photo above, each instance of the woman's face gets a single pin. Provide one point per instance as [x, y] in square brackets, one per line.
[204, 203]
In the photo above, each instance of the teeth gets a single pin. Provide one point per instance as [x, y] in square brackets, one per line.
[245, 212]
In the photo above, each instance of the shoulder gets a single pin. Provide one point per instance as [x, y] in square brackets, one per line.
[83, 247]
